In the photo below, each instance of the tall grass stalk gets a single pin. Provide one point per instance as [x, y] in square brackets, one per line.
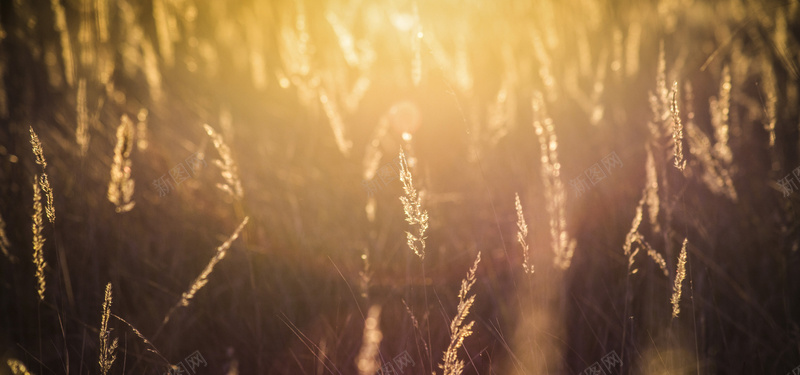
[121, 185]
[44, 182]
[107, 348]
[416, 216]
[202, 279]
[522, 234]
[458, 329]
[228, 168]
[562, 244]
[680, 274]
[38, 239]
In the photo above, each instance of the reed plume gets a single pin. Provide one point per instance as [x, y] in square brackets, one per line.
[202, 279]
[563, 246]
[368, 359]
[634, 236]
[458, 330]
[412, 206]
[38, 238]
[121, 185]
[415, 323]
[657, 258]
[659, 101]
[720, 115]
[107, 355]
[337, 124]
[228, 168]
[44, 182]
[677, 129]
[680, 274]
[17, 367]
[769, 87]
[522, 233]
[716, 173]
[634, 240]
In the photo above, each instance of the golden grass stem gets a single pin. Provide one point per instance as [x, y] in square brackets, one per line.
[121, 185]
[228, 168]
[38, 239]
[202, 279]
[412, 206]
[563, 245]
[677, 129]
[107, 349]
[458, 330]
[522, 234]
[44, 182]
[82, 109]
[680, 274]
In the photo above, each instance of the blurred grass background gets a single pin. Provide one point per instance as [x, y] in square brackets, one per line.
[288, 299]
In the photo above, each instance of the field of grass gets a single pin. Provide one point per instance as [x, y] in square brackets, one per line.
[399, 187]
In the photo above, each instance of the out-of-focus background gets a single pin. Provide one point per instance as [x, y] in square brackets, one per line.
[166, 123]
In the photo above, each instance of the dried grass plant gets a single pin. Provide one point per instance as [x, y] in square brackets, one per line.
[38, 238]
[202, 279]
[634, 240]
[121, 185]
[651, 190]
[680, 274]
[562, 244]
[715, 174]
[412, 206]
[677, 129]
[720, 108]
[82, 110]
[522, 234]
[66, 47]
[107, 347]
[331, 109]
[769, 87]
[228, 168]
[458, 329]
[634, 236]
[44, 182]
[152, 348]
